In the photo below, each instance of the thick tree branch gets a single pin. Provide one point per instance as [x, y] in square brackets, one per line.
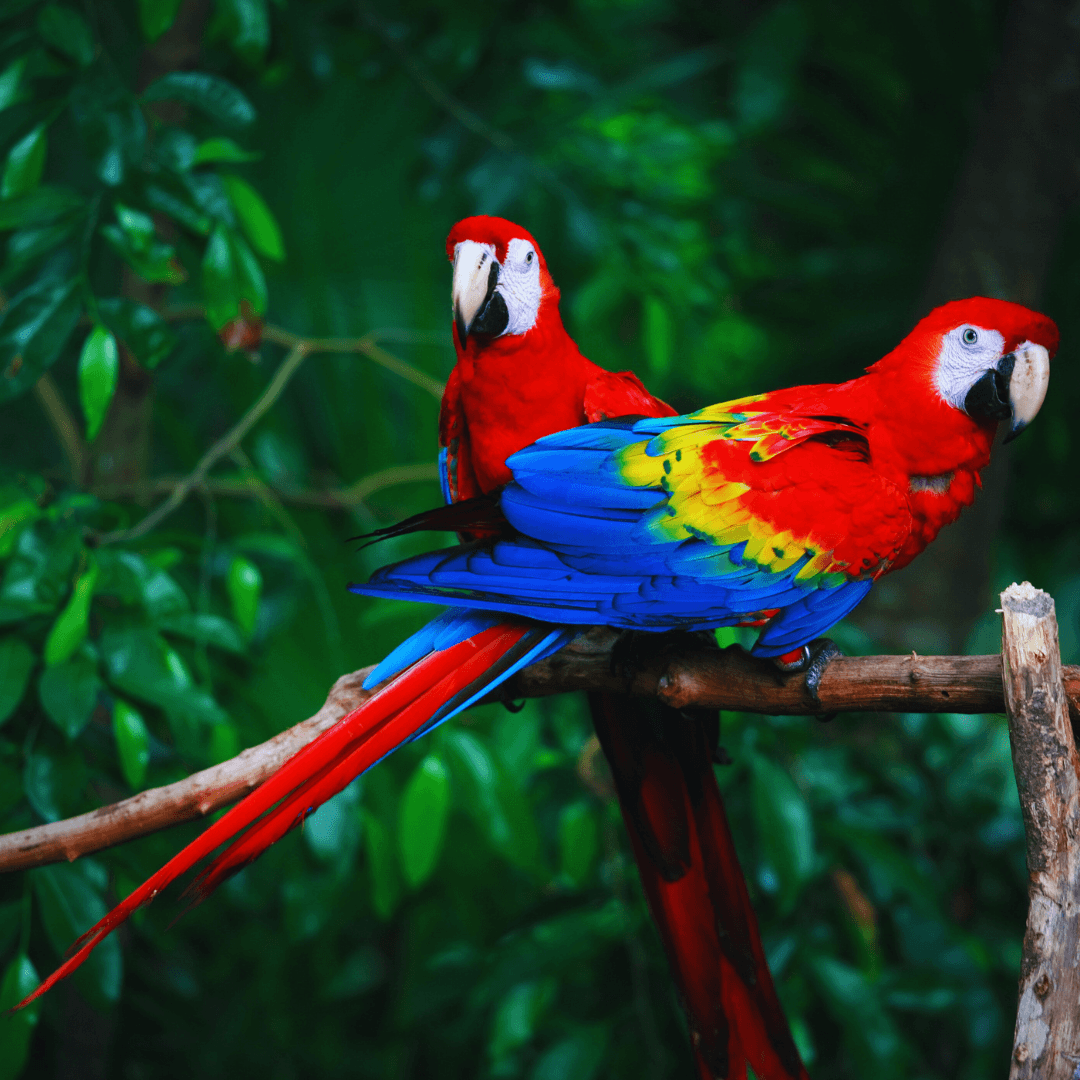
[728, 680]
[1047, 767]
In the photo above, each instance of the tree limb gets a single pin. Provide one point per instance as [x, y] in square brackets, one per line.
[728, 680]
[1047, 768]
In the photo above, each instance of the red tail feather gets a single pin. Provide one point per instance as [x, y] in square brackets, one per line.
[310, 777]
[662, 766]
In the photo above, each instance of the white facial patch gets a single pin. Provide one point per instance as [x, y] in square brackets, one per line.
[519, 285]
[967, 353]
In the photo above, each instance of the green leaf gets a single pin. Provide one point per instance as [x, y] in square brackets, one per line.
[160, 199]
[20, 979]
[16, 663]
[27, 246]
[579, 841]
[231, 275]
[69, 630]
[42, 205]
[333, 831]
[145, 333]
[244, 583]
[53, 783]
[255, 218]
[68, 693]
[99, 369]
[156, 265]
[11, 83]
[33, 329]
[71, 902]
[784, 827]
[385, 884]
[422, 821]
[245, 25]
[14, 515]
[66, 31]
[205, 628]
[25, 164]
[216, 97]
[156, 16]
[223, 149]
[132, 743]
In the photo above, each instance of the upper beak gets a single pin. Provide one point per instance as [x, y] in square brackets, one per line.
[476, 273]
[1028, 380]
[1013, 390]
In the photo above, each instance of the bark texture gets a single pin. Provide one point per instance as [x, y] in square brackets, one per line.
[1046, 1044]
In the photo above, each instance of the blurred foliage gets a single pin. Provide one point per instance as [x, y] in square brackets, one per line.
[731, 197]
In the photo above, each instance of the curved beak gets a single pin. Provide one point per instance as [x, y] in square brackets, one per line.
[1028, 381]
[1013, 390]
[476, 273]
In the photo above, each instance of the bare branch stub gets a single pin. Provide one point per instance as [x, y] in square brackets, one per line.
[1046, 1044]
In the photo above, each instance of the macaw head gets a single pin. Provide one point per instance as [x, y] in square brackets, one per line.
[501, 282]
[989, 359]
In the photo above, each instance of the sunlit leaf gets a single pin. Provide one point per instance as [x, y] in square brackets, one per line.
[25, 164]
[68, 693]
[231, 276]
[16, 663]
[422, 822]
[244, 583]
[99, 368]
[214, 96]
[134, 238]
[223, 149]
[255, 218]
[132, 742]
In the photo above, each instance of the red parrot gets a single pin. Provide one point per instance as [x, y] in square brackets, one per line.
[519, 376]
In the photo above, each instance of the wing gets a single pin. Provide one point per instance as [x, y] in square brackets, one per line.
[609, 394]
[723, 516]
[455, 461]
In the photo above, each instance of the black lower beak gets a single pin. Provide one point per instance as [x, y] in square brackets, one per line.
[988, 399]
[491, 318]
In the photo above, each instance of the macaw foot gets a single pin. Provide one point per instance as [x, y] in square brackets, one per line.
[812, 659]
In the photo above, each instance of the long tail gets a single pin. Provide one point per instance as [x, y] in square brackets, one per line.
[662, 765]
[451, 663]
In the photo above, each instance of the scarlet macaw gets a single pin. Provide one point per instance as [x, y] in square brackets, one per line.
[725, 498]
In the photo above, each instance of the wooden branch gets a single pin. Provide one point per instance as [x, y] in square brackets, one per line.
[1046, 1044]
[728, 679]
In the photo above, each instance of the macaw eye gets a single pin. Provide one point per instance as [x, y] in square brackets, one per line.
[970, 337]
[529, 257]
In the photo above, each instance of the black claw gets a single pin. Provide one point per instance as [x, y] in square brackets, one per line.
[721, 756]
[513, 706]
[822, 650]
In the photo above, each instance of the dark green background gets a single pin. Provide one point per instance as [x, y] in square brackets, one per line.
[732, 197]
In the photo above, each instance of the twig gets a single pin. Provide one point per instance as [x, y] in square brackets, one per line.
[64, 424]
[728, 679]
[365, 345]
[1047, 770]
[252, 487]
[225, 445]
